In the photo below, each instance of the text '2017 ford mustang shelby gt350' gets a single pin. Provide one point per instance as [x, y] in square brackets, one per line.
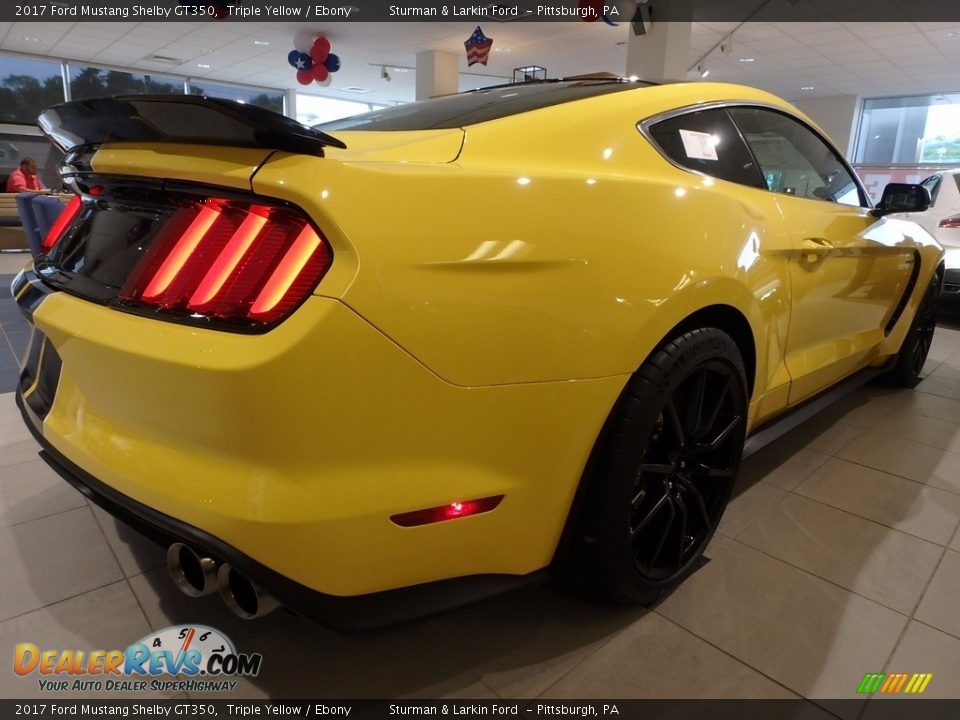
[426, 353]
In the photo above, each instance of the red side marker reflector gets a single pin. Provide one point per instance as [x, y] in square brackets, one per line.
[228, 260]
[63, 221]
[950, 222]
[463, 508]
[184, 248]
[287, 271]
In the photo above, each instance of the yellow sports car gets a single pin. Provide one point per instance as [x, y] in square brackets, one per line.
[425, 354]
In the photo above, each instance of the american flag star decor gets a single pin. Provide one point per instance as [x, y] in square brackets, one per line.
[478, 47]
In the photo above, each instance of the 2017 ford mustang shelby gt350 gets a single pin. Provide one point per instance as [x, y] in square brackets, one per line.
[429, 352]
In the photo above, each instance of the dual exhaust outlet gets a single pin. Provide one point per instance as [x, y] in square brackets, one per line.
[198, 575]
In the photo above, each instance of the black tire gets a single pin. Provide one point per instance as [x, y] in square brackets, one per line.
[664, 473]
[916, 345]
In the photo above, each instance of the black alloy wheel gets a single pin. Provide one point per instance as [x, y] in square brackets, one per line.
[916, 345]
[664, 471]
[687, 471]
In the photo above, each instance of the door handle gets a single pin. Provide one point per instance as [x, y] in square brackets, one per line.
[814, 248]
[816, 244]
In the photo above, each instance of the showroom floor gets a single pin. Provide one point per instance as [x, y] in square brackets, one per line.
[838, 556]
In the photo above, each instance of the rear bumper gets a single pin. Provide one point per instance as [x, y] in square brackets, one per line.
[346, 614]
[287, 453]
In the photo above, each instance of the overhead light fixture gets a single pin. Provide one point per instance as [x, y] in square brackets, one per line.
[261, 42]
[747, 59]
[203, 65]
[384, 75]
[31, 39]
[633, 78]
[501, 49]
[953, 33]
[807, 87]
[703, 71]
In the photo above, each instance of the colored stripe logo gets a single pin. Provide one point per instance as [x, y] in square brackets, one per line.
[894, 683]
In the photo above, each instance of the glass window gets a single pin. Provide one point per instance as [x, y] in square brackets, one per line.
[261, 97]
[314, 109]
[923, 129]
[707, 141]
[91, 82]
[14, 147]
[27, 87]
[479, 106]
[794, 160]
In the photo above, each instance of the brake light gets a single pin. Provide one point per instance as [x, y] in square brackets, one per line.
[451, 511]
[64, 220]
[230, 260]
[952, 222]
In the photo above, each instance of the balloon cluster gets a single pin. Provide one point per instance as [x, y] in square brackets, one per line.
[312, 59]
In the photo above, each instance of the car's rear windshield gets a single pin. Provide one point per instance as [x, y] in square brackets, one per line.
[478, 106]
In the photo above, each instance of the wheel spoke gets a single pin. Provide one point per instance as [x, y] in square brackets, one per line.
[663, 536]
[682, 507]
[654, 511]
[696, 408]
[721, 399]
[719, 439]
[692, 490]
[657, 469]
[674, 417]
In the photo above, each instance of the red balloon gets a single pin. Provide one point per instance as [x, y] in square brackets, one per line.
[320, 50]
[305, 77]
[591, 10]
[320, 73]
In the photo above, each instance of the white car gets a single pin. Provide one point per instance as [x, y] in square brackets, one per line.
[942, 220]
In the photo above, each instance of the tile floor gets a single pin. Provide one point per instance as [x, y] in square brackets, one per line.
[839, 555]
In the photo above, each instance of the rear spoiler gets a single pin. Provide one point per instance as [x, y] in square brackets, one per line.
[186, 119]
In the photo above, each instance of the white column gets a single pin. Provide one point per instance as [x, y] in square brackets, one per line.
[663, 53]
[836, 115]
[438, 73]
[290, 103]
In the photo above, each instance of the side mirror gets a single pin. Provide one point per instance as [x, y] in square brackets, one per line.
[902, 197]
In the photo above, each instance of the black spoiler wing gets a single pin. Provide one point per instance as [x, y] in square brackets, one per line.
[187, 119]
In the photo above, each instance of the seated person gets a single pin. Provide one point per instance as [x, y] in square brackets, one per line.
[25, 178]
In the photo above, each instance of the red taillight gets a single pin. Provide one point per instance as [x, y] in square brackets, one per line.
[64, 220]
[230, 260]
[952, 222]
[452, 511]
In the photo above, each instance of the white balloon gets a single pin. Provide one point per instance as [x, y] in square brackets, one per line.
[304, 40]
[325, 83]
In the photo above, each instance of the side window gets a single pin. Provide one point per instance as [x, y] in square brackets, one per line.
[794, 160]
[707, 141]
[932, 184]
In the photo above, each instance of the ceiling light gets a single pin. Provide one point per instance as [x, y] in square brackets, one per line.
[807, 87]
[703, 71]
[501, 49]
[203, 65]
[261, 42]
[953, 33]
[31, 39]
[633, 78]
[747, 59]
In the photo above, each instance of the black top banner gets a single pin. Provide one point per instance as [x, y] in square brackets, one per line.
[605, 11]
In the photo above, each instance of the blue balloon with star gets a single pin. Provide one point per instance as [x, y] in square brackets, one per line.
[300, 60]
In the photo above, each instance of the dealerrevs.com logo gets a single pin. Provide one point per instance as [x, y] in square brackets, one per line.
[204, 656]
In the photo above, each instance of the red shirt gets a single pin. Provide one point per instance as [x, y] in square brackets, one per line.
[20, 181]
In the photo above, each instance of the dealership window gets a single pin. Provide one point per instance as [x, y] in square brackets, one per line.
[261, 97]
[27, 86]
[915, 130]
[315, 109]
[90, 82]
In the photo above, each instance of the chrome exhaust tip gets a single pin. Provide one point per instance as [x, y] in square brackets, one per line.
[243, 596]
[194, 575]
